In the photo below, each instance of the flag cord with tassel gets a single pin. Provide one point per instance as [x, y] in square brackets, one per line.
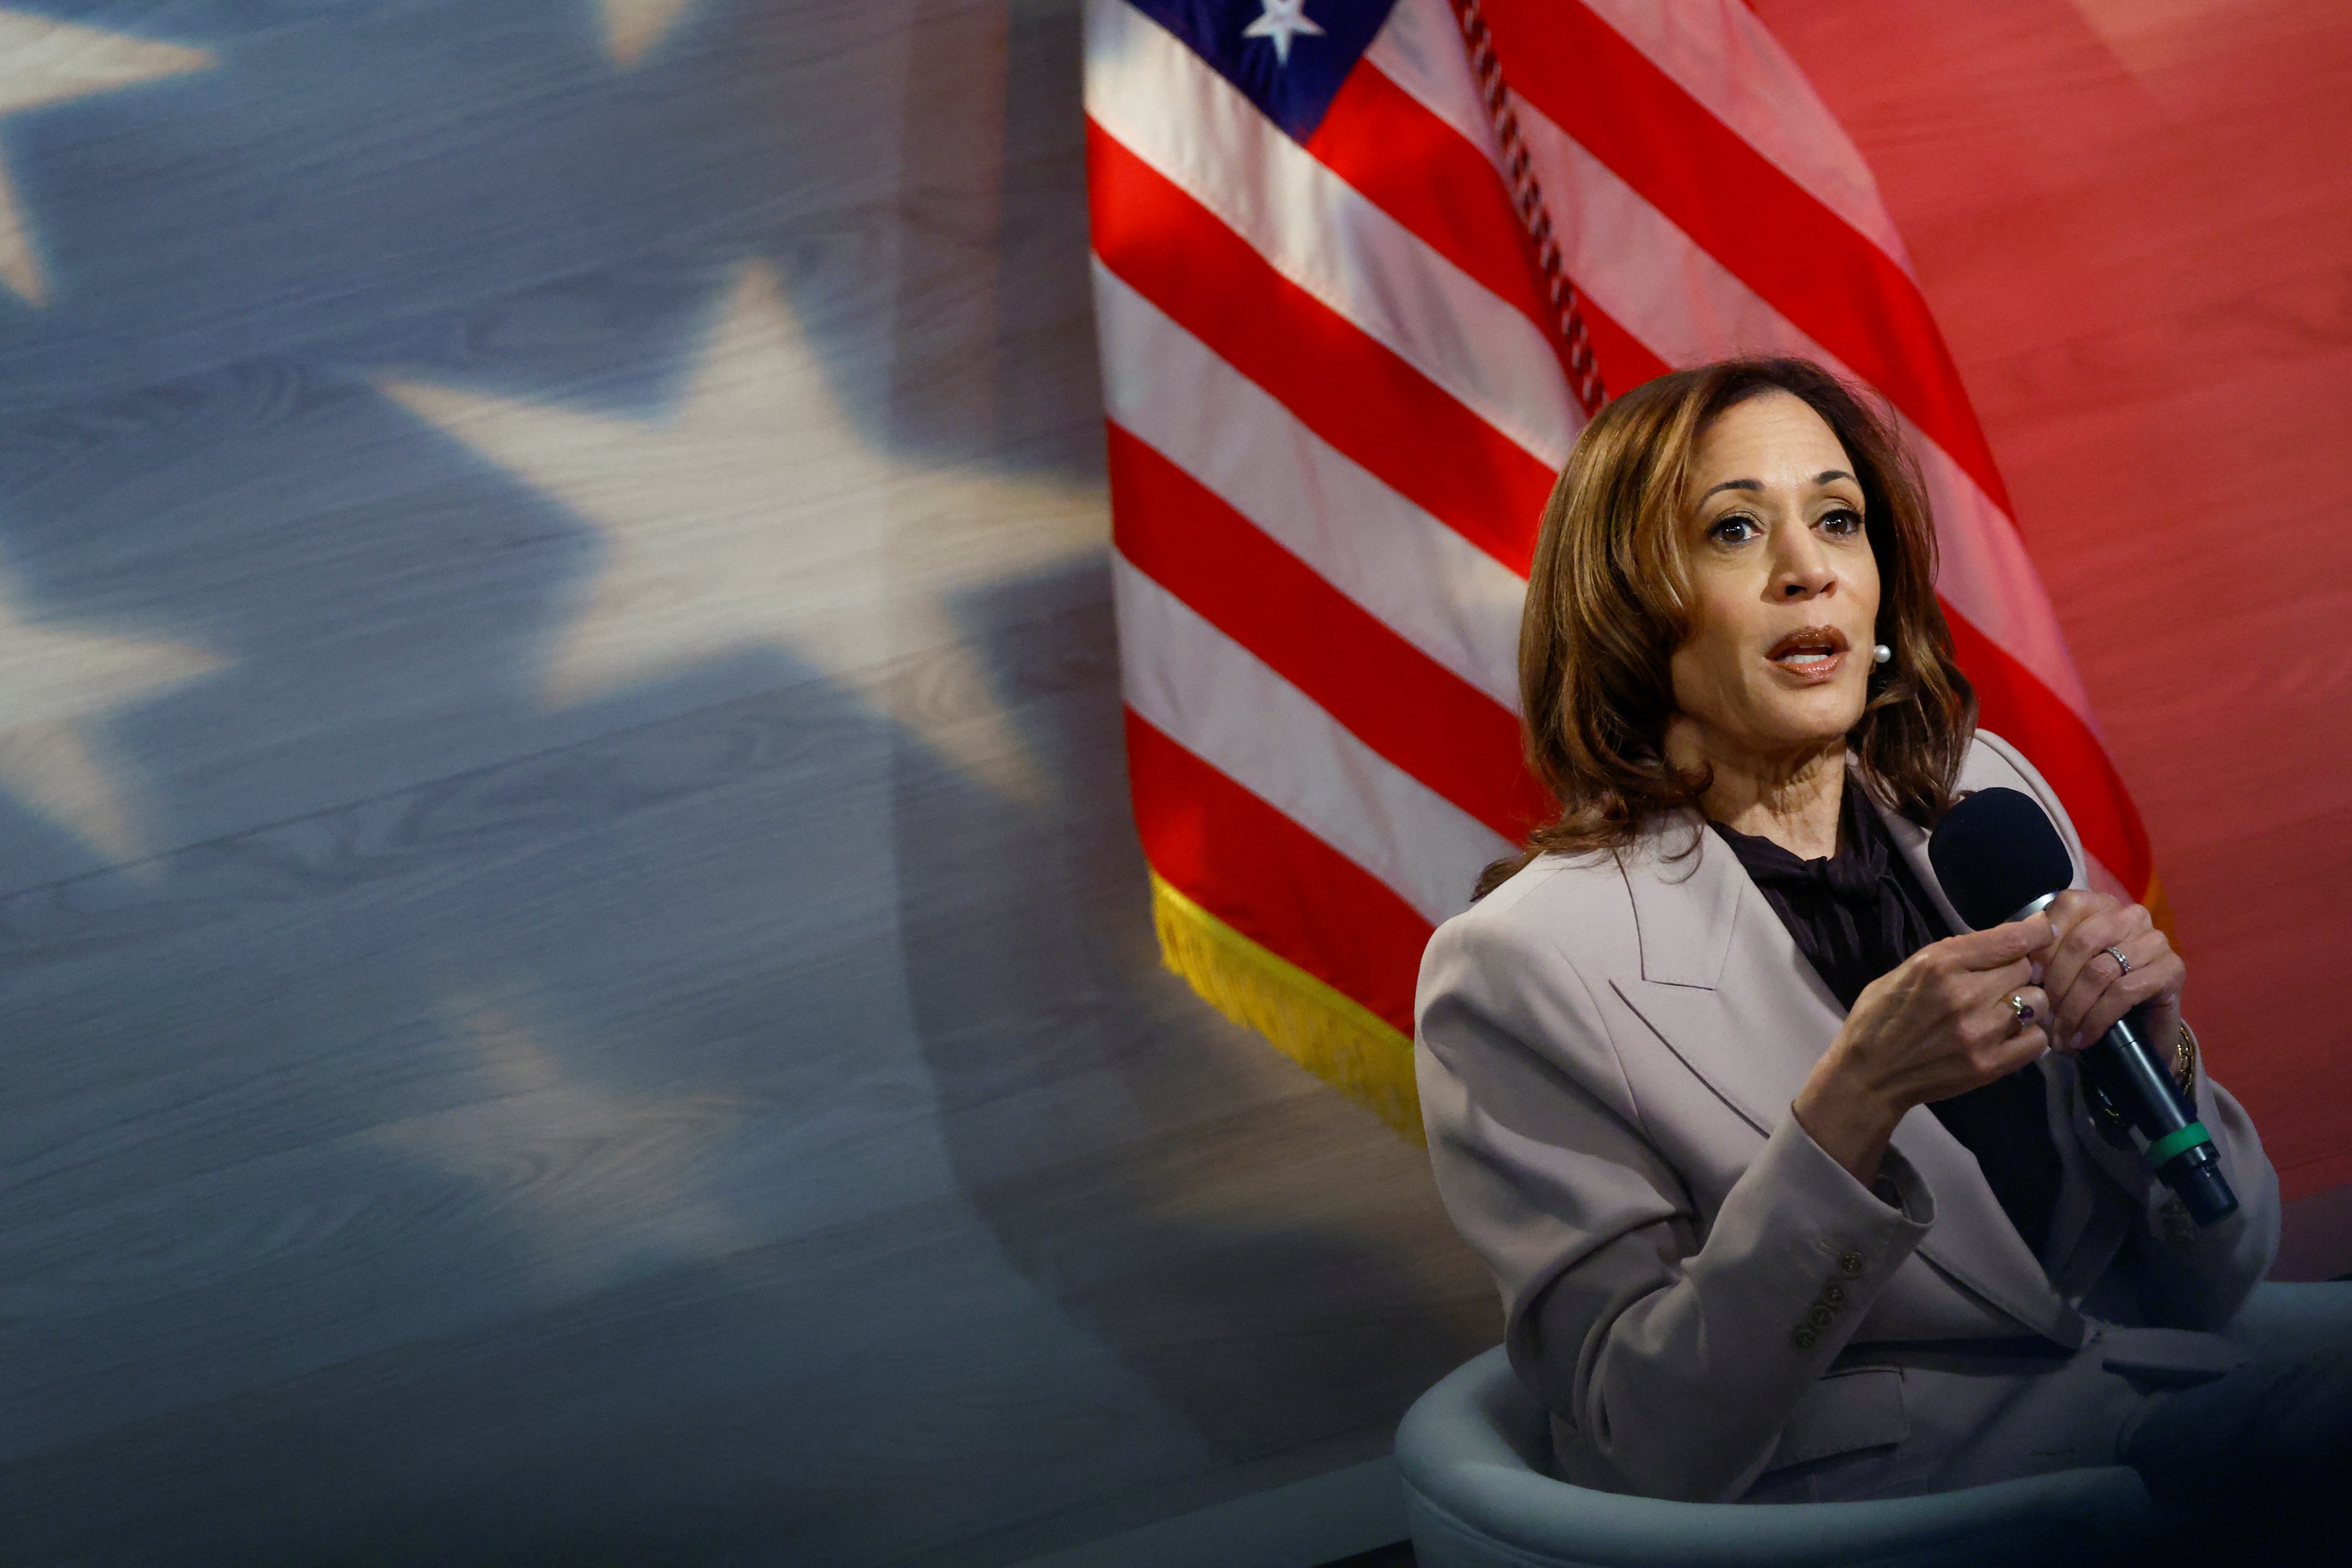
[1527, 196]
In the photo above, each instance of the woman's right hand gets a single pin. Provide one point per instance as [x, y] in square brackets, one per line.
[1937, 1025]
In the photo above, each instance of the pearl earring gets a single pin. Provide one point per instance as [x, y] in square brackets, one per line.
[1881, 653]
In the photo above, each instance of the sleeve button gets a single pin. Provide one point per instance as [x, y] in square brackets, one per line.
[1804, 1338]
[1850, 1264]
[1819, 1316]
[1834, 1293]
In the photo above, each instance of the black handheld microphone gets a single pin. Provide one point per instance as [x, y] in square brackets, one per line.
[2000, 859]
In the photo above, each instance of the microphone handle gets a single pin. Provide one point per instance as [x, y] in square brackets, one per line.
[2122, 1072]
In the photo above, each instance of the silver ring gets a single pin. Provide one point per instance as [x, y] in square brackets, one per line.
[2122, 963]
[2023, 1008]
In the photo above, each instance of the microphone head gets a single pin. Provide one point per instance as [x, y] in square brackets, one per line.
[1995, 852]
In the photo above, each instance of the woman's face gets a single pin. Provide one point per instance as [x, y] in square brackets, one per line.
[1784, 587]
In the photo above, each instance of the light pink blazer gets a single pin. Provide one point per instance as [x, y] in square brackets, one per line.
[1713, 1308]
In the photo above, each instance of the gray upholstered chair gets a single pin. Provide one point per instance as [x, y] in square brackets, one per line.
[1475, 1459]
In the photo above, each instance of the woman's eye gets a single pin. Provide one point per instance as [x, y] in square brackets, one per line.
[1844, 521]
[1736, 529]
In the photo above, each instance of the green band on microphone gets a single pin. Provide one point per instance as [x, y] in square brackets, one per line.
[2175, 1142]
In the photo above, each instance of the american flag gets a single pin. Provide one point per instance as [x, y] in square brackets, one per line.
[1339, 378]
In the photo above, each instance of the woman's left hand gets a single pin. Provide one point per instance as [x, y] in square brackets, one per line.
[2089, 991]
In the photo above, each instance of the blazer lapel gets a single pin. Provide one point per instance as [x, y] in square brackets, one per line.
[1724, 986]
[1722, 981]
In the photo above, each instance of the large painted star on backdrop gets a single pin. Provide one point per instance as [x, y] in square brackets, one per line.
[632, 28]
[45, 61]
[599, 1181]
[59, 685]
[757, 515]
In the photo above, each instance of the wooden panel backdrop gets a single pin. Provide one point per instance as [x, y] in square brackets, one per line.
[576, 983]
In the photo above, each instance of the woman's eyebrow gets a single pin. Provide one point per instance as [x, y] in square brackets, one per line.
[1757, 486]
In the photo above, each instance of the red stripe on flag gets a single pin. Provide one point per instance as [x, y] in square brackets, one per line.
[1434, 180]
[1624, 360]
[2014, 704]
[1349, 389]
[1271, 879]
[1389, 695]
[1807, 262]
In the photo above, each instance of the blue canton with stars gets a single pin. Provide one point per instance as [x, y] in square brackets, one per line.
[1294, 93]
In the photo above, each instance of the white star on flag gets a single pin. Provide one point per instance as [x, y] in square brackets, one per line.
[1283, 21]
[57, 688]
[632, 28]
[45, 61]
[758, 515]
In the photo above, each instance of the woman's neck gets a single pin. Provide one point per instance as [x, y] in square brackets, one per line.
[1793, 798]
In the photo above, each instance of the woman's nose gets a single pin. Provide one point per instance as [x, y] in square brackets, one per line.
[1803, 570]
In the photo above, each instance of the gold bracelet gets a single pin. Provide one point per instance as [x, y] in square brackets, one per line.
[2184, 1061]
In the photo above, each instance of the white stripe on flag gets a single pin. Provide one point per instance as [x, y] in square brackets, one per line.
[1721, 53]
[1685, 307]
[1422, 579]
[1165, 104]
[1229, 707]
[1420, 49]
[1715, 50]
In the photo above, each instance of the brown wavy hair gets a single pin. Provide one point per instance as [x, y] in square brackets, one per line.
[1609, 601]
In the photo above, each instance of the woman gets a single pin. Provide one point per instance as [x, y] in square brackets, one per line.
[1787, 1193]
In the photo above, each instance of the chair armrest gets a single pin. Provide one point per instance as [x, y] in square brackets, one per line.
[2286, 1320]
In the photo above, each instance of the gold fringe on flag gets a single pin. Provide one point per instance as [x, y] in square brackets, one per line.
[1330, 1035]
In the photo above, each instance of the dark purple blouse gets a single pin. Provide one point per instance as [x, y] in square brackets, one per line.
[1858, 914]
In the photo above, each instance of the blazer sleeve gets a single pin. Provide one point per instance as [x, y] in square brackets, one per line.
[2184, 1275]
[1674, 1346]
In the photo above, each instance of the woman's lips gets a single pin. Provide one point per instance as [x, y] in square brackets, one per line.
[1808, 667]
[1812, 654]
